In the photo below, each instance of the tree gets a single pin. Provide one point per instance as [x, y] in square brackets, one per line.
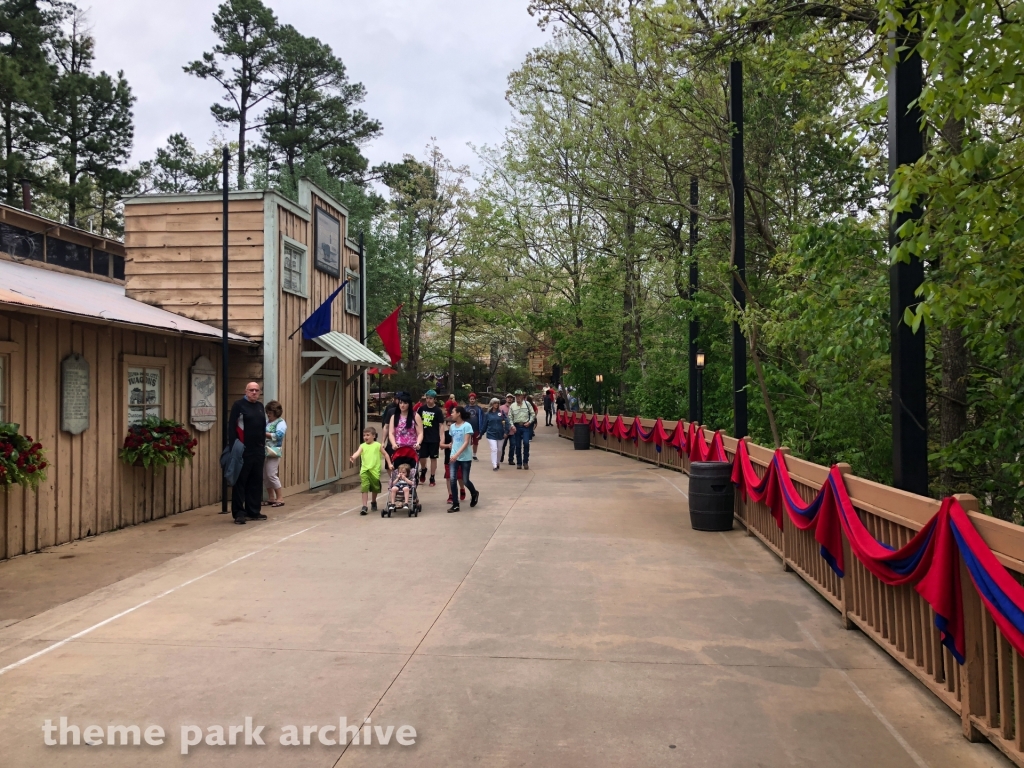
[178, 167]
[312, 110]
[28, 30]
[246, 32]
[90, 130]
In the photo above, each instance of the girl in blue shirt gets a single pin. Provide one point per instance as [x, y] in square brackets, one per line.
[461, 435]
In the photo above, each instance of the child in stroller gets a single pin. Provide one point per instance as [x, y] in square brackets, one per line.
[405, 479]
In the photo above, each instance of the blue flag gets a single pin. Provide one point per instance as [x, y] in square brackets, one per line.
[319, 323]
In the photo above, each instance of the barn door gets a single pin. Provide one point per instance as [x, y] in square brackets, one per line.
[325, 459]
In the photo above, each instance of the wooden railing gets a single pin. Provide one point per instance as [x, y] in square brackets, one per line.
[987, 692]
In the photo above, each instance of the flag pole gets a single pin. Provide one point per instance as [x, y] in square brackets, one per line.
[224, 327]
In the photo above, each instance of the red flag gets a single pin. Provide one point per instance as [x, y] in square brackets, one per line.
[388, 332]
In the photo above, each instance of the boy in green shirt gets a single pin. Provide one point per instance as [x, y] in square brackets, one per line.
[371, 454]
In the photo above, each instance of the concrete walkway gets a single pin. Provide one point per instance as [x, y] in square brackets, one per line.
[572, 619]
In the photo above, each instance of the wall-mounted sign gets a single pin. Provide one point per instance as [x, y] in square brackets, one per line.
[327, 240]
[203, 413]
[74, 394]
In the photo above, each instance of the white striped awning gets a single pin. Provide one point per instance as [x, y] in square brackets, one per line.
[341, 346]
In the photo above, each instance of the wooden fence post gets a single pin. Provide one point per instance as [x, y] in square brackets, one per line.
[847, 584]
[972, 673]
[785, 522]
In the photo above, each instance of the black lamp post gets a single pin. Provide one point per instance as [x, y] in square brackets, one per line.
[700, 386]
[472, 381]
[600, 386]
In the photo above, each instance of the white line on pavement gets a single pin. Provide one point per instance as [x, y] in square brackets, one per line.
[144, 603]
[867, 702]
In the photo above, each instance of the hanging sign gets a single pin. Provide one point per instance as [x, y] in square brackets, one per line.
[74, 394]
[203, 413]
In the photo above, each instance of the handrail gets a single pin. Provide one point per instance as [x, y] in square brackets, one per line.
[987, 690]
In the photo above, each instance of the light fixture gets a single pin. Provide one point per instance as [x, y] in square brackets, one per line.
[700, 359]
[599, 378]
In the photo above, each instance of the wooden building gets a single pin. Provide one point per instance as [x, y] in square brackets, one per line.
[63, 304]
[285, 259]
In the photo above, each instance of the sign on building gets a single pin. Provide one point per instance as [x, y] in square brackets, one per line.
[203, 413]
[74, 394]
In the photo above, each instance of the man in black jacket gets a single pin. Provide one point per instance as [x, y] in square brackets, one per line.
[248, 419]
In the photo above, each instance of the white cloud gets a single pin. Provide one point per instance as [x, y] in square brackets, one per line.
[432, 68]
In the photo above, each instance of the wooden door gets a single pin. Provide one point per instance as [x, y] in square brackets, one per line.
[325, 454]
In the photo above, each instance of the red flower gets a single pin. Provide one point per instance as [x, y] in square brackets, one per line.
[42, 465]
[30, 469]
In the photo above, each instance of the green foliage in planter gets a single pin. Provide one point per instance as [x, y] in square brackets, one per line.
[157, 443]
[22, 461]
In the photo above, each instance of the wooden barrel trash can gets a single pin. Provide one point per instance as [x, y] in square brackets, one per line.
[581, 437]
[711, 496]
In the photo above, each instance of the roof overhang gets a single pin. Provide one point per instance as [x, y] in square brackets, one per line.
[341, 346]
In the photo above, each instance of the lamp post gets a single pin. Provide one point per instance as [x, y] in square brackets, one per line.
[699, 363]
[472, 381]
[600, 386]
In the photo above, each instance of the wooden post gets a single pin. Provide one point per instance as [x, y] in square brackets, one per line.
[847, 582]
[972, 673]
[785, 521]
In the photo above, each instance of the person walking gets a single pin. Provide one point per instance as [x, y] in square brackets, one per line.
[406, 428]
[275, 437]
[476, 418]
[460, 433]
[385, 421]
[495, 426]
[432, 416]
[249, 420]
[549, 407]
[371, 455]
[509, 400]
[559, 401]
[522, 416]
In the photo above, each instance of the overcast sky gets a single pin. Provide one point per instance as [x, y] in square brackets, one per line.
[431, 67]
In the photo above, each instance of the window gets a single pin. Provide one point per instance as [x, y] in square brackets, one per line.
[144, 393]
[352, 295]
[20, 242]
[68, 255]
[118, 267]
[293, 267]
[4, 408]
[100, 262]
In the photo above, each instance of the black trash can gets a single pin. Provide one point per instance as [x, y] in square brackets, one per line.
[581, 437]
[711, 496]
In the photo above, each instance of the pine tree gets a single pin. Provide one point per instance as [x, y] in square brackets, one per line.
[245, 30]
[28, 29]
[313, 108]
[178, 167]
[91, 129]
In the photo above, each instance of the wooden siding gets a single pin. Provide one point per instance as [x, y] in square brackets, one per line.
[174, 260]
[88, 490]
[295, 398]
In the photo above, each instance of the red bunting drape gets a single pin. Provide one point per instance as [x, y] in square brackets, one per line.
[930, 561]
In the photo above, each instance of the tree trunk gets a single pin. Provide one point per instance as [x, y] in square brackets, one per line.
[241, 144]
[492, 376]
[953, 405]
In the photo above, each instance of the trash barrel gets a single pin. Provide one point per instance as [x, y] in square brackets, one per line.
[711, 496]
[581, 437]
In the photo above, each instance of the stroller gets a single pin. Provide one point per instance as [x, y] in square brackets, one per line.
[407, 456]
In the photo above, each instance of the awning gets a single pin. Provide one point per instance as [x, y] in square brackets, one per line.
[341, 346]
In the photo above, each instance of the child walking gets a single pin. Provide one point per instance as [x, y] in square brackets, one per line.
[370, 454]
[461, 435]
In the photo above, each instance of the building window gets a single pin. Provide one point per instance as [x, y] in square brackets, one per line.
[68, 255]
[21, 243]
[100, 262]
[145, 392]
[4, 407]
[293, 268]
[118, 267]
[352, 295]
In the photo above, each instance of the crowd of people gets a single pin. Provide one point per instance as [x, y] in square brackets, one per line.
[413, 438]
